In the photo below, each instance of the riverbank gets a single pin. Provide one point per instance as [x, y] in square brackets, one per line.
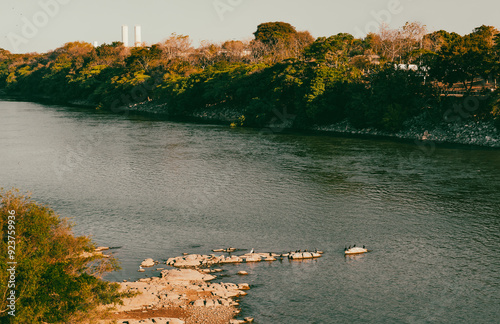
[481, 133]
[468, 133]
[474, 133]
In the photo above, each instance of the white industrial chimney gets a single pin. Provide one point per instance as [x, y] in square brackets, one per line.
[137, 36]
[125, 35]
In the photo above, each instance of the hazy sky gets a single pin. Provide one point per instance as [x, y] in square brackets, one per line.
[42, 25]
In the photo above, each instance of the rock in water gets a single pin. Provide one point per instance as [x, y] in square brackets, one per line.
[148, 263]
[243, 286]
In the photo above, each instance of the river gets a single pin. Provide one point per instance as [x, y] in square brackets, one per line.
[155, 188]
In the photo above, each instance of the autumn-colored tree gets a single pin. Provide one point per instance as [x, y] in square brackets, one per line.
[208, 54]
[412, 34]
[391, 43]
[234, 51]
[399, 45]
[299, 42]
[436, 40]
[4, 54]
[258, 51]
[111, 54]
[175, 46]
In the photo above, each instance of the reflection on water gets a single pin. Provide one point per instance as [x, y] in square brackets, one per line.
[158, 188]
[354, 257]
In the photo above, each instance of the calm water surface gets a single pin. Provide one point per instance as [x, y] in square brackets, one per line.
[157, 189]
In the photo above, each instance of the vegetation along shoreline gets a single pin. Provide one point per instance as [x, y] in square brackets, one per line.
[402, 83]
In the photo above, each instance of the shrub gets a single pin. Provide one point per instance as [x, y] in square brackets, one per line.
[54, 282]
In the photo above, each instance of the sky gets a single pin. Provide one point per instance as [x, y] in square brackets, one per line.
[43, 25]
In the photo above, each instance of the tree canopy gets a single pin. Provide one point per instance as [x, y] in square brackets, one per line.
[273, 32]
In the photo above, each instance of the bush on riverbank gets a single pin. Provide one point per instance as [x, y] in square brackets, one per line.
[51, 282]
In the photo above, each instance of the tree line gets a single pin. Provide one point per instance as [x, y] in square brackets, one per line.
[379, 81]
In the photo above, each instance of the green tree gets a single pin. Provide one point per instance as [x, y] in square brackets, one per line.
[274, 32]
[57, 278]
[467, 58]
[334, 50]
[388, 98]
[277, 41]
[436, 40]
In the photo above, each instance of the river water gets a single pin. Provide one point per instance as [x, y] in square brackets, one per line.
[431, 216]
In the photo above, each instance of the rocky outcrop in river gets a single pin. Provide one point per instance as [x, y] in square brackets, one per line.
[185, 294]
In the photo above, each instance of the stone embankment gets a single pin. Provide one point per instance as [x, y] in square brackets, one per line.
[420, 128]
[478, 133]
[185, 293]
[463, 132]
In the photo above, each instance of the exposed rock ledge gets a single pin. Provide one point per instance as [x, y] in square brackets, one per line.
[178, 296]
[185, 295]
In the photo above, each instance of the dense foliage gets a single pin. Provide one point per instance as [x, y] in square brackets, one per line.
[367, 81]
[53, 282]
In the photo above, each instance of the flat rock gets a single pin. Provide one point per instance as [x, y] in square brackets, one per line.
[185, 275]
[304, 255]
[243, 286]
[211, 303]
[148, 263]
[232, 259]
[253, 258]
[236, 321]
[199, 303]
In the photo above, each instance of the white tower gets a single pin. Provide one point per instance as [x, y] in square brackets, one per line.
[125, 35]
[137, 30]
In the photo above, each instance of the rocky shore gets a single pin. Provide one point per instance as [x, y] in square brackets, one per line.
[185, 294]
[480, 133]
[178, 296]
[477, 133]
[463, 132]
